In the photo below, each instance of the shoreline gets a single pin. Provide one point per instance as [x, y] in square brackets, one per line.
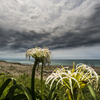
[17, 69]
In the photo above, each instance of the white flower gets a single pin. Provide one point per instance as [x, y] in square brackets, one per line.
[62, 76]
[41, 55]
[75, 78]
[88, 74]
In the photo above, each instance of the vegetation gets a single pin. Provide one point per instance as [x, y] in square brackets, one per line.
[65, 84]
[26, 80]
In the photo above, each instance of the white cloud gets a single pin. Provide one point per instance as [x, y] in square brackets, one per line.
[45, 14]
[91, 52]
[9, 54]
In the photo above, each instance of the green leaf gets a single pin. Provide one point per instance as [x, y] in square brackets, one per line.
[19, 97]
[38, 95]
[92, 92]
[51, 95]
[2, 88]
[45, 98]
[54, 97]
[10, 93]
[21, 87]
[29, 97]
[29, 90]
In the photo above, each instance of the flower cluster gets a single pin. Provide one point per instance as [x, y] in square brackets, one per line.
[41, 55]
[77, 79]
[87, 74]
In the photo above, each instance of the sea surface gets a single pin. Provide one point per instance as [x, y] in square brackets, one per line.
[90, 62]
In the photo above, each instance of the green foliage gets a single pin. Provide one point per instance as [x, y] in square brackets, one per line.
[10, 94]
[4, 85]
[58, 92]
[92, 92]
[24, 79]
[2, 74]
[17, 91]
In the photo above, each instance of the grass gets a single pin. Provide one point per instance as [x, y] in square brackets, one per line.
[26, 80]
[11, 68]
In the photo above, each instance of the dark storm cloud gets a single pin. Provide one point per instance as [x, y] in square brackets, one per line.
[14, 40]
[85, 37]
[11, 40]
[79, 36]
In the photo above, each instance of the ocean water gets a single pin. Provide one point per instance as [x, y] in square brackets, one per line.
[65, 62]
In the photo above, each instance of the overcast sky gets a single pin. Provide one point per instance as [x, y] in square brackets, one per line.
[69, 28]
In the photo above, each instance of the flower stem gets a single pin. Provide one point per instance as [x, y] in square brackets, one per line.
[42, 80]
[69, 94]
[33, 80]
